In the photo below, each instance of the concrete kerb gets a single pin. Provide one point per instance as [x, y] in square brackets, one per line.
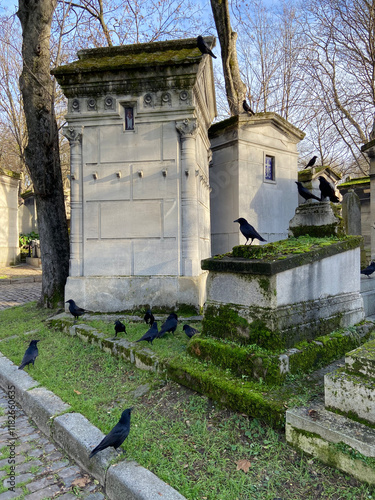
[76, 436]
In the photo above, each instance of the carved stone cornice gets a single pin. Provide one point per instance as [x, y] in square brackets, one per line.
[74, 135]
[187, 128]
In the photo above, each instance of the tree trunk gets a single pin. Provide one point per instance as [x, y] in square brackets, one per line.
[234, 86]
[42, 151]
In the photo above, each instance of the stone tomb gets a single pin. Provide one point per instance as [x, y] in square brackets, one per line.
[137, 118]
[254, 168]
[300, 297]
[341, 432]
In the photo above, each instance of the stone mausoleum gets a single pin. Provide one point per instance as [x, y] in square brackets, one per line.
[253, 174]
[138, 117]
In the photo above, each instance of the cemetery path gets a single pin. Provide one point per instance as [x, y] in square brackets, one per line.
[19, 285]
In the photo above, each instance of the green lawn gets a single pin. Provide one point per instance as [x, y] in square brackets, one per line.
[183, 437]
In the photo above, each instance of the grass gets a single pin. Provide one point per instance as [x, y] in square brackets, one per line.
[183, 437]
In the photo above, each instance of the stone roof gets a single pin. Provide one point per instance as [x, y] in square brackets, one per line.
[125, 57]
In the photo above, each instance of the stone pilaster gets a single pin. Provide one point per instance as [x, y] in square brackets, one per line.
[188, 130]
[74, 136]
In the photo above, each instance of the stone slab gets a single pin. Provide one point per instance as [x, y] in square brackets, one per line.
[351, 394]
[331, 427]
[42, 406]
[129, 481]
[361, 361]
[78, 437]
[11, 376]
[329, 454]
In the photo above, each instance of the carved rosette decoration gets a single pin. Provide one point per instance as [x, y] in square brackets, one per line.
[166, 99]
[75, 106]
[148, 101]
[109, 103]
[184, 97]
[73, 135]
[187, 128]
[91, 104]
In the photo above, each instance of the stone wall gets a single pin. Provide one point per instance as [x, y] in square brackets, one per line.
[9, 246]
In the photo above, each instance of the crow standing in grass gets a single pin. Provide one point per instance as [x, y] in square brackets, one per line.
[149, 317]
[74, 309]
[369, 269]
[169, 325]
[203, 47]
[117, 435]
[305, 193]
[247, 108]
[327, 190]
[311, 162]
[151, 334]
[248, 231]
[119, 327]
[30, 354]
[189, 330]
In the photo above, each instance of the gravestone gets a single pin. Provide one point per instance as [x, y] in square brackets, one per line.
[137, 118]
[351, 213]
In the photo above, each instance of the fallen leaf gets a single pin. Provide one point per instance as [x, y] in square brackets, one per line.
[243, 465]
[81, 482]
[77, 392]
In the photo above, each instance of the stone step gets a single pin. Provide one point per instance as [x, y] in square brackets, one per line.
[316, 420]
[351, 394]
[361, 361]
[333, 439]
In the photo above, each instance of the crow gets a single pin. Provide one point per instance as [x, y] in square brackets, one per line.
[247, 108]
[74, 309]
[248, 231]
[119, 327]
[189, 330]
[30, 354]
[117, 435]
[305, 193]
[311, 162]
[369, 269]
[169, 325]
[151, 334]
[327, 190]
[203, 47]
[149, 317]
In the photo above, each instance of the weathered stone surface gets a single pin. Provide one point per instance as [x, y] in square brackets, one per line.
[42, 405]
[10, 376]
[129, 481]
[331, 427]
[78, 437]
[361, 361]
[314, 219]
[351, 394]
[299, 301]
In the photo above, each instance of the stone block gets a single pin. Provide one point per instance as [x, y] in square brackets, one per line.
[330, 427]
[78, 437]
[42, 406]
[11, 376]
[351, 394]
[361, 361]
[129, 481]
[329, 454]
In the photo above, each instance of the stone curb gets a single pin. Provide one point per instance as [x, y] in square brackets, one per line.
[77, 436]
[16, 281]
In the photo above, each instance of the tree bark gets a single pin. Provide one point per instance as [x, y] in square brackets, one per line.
[42, 150]
[234, 86]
